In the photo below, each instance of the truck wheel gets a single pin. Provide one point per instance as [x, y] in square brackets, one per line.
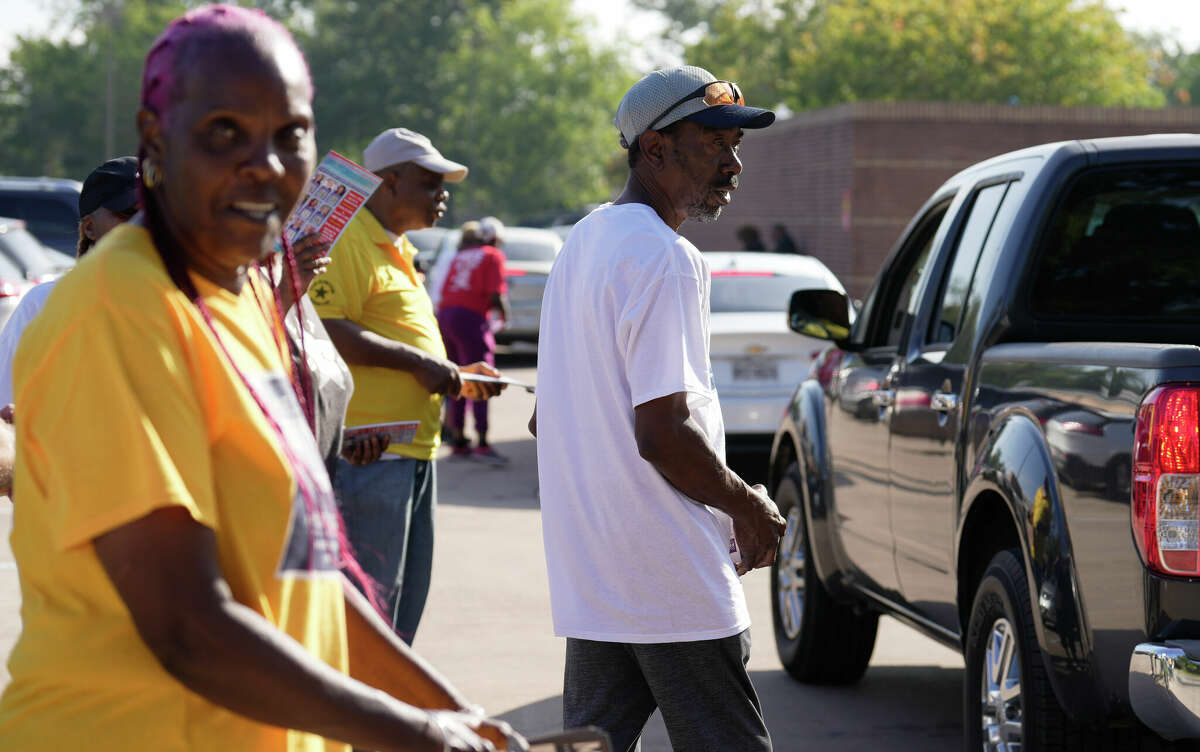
[819, 640]
[1008, 703]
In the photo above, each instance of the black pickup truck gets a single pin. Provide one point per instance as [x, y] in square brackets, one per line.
[1003, 450]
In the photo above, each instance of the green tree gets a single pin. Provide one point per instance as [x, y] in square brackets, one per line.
[1176, 72]
[814, 53]
[54, 99]
[513, 88]
[516, 89]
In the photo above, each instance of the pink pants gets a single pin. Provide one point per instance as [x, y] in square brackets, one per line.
[468, 339]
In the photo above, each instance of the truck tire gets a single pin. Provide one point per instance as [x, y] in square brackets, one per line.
[819, 640]
[1021, 707]
[1018, 705]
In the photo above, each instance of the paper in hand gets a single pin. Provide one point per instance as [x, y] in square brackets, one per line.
[336, 191]
[495, 380]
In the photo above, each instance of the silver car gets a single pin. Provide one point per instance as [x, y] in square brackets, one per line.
[24, 262]
[756, 360]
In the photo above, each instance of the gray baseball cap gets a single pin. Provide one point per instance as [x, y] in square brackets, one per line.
[683, 93]
[398, 145]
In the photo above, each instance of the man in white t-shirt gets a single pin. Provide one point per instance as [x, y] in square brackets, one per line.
[646, 529]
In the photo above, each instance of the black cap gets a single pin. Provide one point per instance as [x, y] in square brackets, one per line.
[733, 116]
[112, 185]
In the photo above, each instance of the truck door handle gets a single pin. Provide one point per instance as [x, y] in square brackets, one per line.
[883, 397]
[944, 402]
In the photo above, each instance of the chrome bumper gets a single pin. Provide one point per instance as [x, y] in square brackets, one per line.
[1164, 687]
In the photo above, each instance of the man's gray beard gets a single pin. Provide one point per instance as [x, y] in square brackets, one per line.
[702, 212]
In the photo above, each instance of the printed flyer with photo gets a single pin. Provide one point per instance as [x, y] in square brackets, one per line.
[337, 190]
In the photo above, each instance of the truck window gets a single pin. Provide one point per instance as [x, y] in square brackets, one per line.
[899, 301]
[957, 282]
[1123, 244]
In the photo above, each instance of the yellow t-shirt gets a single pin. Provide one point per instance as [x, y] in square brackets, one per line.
[373, 283]
[127, 405]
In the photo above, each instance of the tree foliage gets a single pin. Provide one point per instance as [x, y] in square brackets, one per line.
[814, 53]
[53, 94]
[1176, 72]
[513, 88]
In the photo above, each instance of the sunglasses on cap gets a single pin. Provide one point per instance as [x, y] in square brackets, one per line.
[718, 92]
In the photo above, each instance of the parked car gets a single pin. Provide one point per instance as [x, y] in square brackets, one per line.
[529, 253]
[1005, 451]
[24, 262]
[48, 206]
[756, 360]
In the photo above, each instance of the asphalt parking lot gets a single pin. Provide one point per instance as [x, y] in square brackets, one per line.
[488, 625]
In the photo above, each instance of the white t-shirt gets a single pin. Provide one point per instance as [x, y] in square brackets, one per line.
[31, 305]
[625, 321]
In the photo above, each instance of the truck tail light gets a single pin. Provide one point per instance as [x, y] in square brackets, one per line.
[1165, 509]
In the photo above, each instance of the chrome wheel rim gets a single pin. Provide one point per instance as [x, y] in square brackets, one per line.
[1002, 709]
[790, 564]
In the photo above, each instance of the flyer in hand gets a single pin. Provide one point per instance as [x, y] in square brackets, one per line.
[398, 433]
[337, 190]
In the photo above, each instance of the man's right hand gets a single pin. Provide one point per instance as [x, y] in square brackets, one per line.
[438, 376]
[758, 529]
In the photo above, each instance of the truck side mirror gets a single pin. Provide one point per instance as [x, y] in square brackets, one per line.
[823, 314]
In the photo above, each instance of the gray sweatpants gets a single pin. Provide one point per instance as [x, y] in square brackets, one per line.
[702, 688]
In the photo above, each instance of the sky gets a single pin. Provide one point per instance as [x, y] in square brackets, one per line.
[1176, 19]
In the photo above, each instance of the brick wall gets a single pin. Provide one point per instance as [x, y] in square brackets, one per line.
[846, 180]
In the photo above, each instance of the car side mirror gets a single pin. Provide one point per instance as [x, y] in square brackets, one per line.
[823, 314]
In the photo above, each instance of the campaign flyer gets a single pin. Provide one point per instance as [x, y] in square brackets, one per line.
[337, 190]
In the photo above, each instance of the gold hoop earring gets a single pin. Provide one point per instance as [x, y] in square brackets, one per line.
[151, 175]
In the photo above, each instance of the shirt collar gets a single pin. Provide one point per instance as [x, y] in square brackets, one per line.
[385, 238]
[382, 236]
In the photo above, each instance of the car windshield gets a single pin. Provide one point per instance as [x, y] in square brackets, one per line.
[530, 249]
[26, 253]
[1125, 243]
[745, 291]
[50, 219]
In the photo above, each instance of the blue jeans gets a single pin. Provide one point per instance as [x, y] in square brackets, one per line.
[388, 507]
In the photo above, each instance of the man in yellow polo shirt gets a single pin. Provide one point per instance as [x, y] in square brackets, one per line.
[382, 321]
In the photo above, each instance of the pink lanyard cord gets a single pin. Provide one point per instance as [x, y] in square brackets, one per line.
[300, 378]
[307, 484]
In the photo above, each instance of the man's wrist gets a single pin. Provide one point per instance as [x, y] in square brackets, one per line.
[747, 504]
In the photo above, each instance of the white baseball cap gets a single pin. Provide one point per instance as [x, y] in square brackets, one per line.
[398, 145]
[684, 93]
[491, 229]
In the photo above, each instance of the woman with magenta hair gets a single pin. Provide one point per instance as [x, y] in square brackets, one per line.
[183, 570]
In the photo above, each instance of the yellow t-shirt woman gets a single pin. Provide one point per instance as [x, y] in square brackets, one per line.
[126, 404]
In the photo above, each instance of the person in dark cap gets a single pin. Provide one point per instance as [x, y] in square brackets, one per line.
[646, 529]
[108, 199]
